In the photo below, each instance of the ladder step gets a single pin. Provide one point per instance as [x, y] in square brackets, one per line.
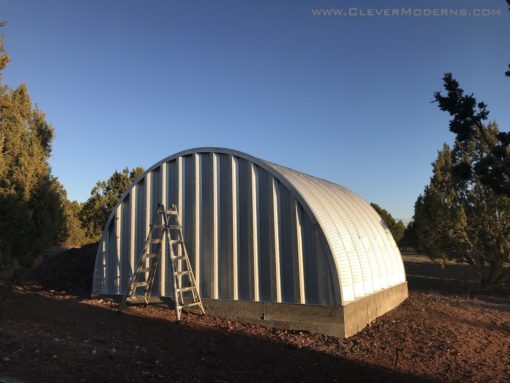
[140, 284]
[184, 289]
[191, 304]
[179, 257]
[151, 255]
[157, 226]
[179, 273]
[174, 227]
[171, 212]
[155, 240]
[144, 270]
[176, 242]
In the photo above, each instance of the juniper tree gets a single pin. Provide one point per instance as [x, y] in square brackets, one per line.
[465, 219]
[103, 197]
[474, 216]
[396, 228]
[468, 116]
[30, 199]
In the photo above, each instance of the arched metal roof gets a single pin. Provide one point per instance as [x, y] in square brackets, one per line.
[366, 256]
[362, 255]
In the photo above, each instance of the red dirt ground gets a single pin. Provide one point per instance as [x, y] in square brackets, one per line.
[53, 336]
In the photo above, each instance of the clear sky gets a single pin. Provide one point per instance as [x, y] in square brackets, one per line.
[127, 83]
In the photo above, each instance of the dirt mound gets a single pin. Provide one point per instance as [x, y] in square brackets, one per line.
[70, 270]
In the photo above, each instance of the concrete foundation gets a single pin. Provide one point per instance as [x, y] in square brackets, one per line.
[358, 314]
[340, 321]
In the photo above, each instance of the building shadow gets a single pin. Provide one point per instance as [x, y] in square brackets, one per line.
[50, 339]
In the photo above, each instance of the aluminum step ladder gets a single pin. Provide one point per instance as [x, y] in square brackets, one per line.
[182, 274]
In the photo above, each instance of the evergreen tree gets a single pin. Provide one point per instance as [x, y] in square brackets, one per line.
[464, 219]
[71, 234]
[437, 211]
[468, 116]
[396, 228]
[30, 198]
[104, 196]
[409, 239]
[466, 214]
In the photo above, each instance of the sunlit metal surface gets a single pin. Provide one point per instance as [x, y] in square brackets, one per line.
[254, 230]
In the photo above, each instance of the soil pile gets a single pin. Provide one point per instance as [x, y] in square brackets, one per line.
[70, 271]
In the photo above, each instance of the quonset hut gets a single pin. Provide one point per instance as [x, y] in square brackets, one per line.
[267, 243]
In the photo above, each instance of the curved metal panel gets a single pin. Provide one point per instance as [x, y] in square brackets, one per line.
[254, 231]
[366, 256]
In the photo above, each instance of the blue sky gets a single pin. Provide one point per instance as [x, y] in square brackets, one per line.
[126, 83]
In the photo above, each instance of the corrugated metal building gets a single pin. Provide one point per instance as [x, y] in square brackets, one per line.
[267, 243]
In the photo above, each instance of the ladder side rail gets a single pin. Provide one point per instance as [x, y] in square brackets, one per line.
[172, 258]
[153, 265]
[191, 275]
[139, 268]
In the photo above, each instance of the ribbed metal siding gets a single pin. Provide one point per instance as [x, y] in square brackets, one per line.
[254, 231]
[364, 251]
[225, 234]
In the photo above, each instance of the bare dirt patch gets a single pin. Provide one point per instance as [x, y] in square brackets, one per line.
[47, 335]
